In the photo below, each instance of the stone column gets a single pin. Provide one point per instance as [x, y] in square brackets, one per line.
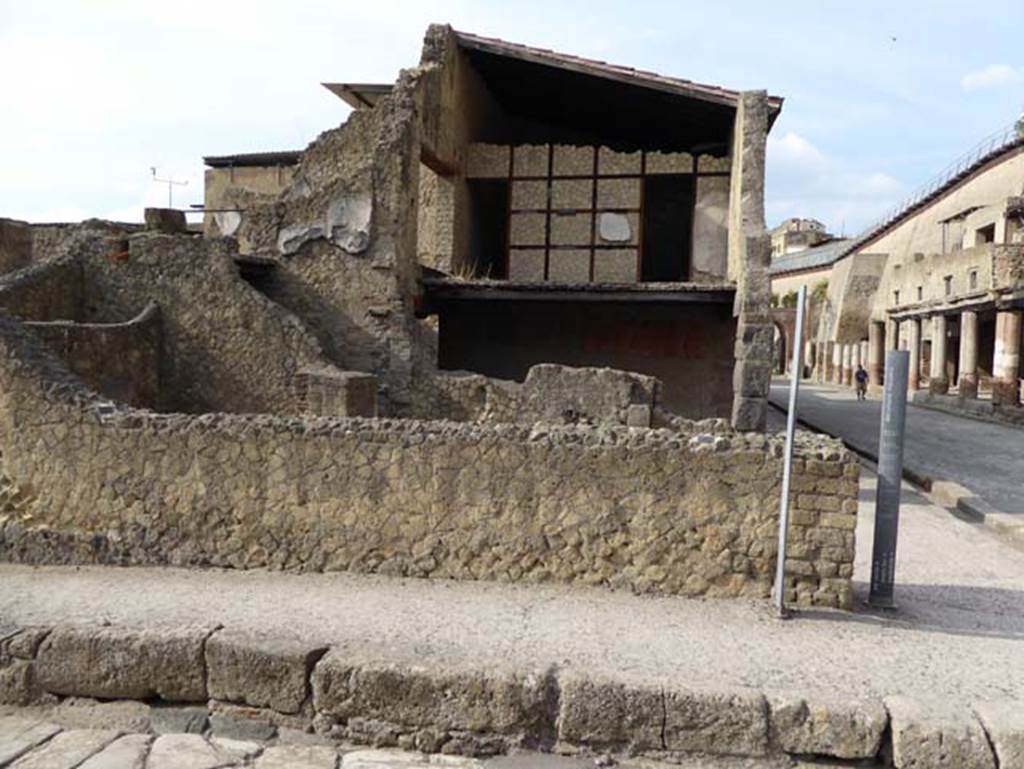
[808, 361]
[854, 362]
[914, 345]
[938, 381]
[847, 364]
[894, 340]
[1006, 368]
[837, 363]
[968, 384]
[876, 352]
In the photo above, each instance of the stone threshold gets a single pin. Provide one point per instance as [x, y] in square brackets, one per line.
[367, 694]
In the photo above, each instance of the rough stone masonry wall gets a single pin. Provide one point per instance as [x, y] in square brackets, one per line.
[119, 360]
[650, 510]
[343, 235]
[749, 253]
[47, 291]
[225, 346]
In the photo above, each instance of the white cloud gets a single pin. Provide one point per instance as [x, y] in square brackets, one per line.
[804, 181]
[990, 77]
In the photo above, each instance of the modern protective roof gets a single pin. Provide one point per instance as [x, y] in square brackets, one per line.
[359, 95]
[283, 158]
[603, 69]
[811, 258]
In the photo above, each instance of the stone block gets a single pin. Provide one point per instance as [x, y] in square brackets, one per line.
[174, 751]
[67, 750]
[530, 160]
[298, 757]
[727, 722]
[20, 735]
[609, 714]
[638, 415]
[127, 752]
[238, 727]
[178, 719]
[166, 220]
[937, 735]
[838, 728]
[1004, 723]
[112, 662]
[16, 682]
[526, 264]
[259, 671]
[416, 695]
[487, 161]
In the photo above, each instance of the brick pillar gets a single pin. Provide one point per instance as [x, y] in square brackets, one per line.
[837, 363]
[855, 361]
[938, 381]
[864, 354]
[894, 337]
[876, 352]
[968, 383]
[1006, 369]
[847, 364]
[914, 345]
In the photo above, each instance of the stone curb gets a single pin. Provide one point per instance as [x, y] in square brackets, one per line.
[448, 706]
[948, 494]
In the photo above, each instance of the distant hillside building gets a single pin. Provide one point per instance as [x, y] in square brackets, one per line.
[797, 234]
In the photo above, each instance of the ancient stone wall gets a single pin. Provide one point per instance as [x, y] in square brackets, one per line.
[118, 360]
[343, 234]
[15, 245]
[44, 292]
[225, 346]
[650, 510]
[551, 393]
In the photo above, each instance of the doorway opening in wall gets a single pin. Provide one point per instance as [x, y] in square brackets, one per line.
[488, 228]
[668, 205]
[986, 234]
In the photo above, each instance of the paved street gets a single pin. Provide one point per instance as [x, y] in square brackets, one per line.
[987, 458]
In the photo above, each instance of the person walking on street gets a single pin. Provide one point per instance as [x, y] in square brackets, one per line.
[861, 377]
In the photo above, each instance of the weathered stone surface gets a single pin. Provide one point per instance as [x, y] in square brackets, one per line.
[167, 220]
[1004, 724]
[124, 663]
[25, 642]
[16, 682]
[235, 750]
[179, 719]
[235, 727]
[298, 757]
[19, 735]
[260, 671]
[66, 750]
[413, 696]
[841, 728]
[174, 751]
[127, 752]
[728, 722]
[937, 735]
[605, 714]
[89, 713]
[400, 759]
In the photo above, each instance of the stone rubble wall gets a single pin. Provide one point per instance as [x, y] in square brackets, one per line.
[119, 360]
[43, 292]
[225, 346]
[551, 393]
[647, 510]
[264, 686]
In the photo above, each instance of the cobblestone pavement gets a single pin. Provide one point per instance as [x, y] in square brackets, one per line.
[34, 738]
[985, 457]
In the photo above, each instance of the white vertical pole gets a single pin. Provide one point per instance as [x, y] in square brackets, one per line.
[787, 462]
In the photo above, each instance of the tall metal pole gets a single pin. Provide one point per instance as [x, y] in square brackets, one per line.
[787, 462]
[890, 478]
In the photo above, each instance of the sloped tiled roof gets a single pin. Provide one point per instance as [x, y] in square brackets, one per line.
[811, 258]
[604, 69]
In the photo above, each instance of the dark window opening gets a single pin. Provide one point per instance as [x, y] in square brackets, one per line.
[948, 281]
[668, 201]
[920, 293]
[986, 234]
[488, 227]
[973, 278]
[895, 297]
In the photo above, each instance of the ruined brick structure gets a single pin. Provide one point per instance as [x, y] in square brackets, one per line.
[278, 397]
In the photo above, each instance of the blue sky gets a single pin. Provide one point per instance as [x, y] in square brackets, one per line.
[880, 96]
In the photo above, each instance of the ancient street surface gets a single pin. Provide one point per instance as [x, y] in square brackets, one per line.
[986, 458]
[957, 634]
[37, 738]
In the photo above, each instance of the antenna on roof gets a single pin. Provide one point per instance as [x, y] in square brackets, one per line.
[170, 185]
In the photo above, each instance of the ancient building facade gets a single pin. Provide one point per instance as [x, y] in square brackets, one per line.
[281, 397]
[940, 278]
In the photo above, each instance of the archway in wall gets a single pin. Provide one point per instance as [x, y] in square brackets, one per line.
[784, 320]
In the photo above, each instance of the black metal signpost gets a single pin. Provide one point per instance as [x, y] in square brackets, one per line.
[890, 476]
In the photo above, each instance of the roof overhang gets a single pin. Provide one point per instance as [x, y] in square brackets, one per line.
[631, 109]
[259, 159]
[359, 95]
